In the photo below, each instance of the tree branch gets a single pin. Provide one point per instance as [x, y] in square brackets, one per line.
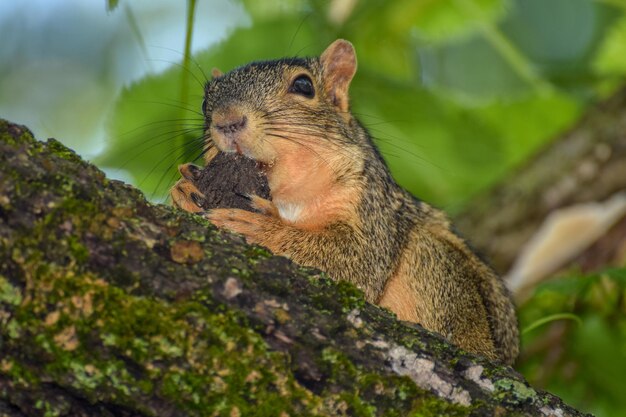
[586, 164]
[112, 306]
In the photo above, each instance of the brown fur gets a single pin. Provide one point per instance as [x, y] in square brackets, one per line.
[336, 207]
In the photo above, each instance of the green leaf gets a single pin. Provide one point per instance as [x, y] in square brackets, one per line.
[272, 9]
[444, 151]
[393, 30]
[428, 20]
[548, 319]
[583, 364]
[437, 21]
[610, 58]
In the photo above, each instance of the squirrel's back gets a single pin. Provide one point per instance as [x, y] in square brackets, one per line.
[423, 257]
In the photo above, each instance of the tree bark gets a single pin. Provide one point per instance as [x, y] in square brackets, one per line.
[113, 306]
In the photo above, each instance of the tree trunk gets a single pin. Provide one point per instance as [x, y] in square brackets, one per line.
[585, 165]
[112, 306]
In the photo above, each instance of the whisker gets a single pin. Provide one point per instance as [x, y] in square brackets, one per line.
[182, 55]
[154, 136]
[170, 168]
[338, 146]
[183, 67]
[164, 158]
[320, 157]
[149, 144]
[300, 144]
[180, 107]
[155, 124]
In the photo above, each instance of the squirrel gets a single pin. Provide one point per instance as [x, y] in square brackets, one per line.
[335, 206]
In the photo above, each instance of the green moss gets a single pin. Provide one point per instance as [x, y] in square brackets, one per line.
[347, 295]
[22, 137]
[506, 387]
[8, 293]
[78, 250]
[340, 368]
[47, 408]
[374, 394]
[57, 148]
[394, 395]
[257, 253]
[182, 352]
[433, 407]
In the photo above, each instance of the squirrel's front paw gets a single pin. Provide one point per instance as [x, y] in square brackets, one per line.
[256, 228]
[185, 195]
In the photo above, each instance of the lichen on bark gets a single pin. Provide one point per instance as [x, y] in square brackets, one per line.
[110, 305]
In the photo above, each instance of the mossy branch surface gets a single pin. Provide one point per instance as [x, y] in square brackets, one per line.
[112, 306]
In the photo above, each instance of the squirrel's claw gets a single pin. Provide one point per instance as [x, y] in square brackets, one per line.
[186, 196]
[190, 171]
[255, 227]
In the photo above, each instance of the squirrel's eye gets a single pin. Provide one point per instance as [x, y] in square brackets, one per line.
[204, 106]
[303, 85]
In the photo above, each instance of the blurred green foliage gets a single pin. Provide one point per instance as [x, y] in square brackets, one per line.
[456, 93]
[583, 362]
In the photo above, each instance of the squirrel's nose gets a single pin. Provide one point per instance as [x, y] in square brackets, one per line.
[228, 127]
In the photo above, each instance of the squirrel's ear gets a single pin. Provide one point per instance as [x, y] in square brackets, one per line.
[215, 72]
[339, 65]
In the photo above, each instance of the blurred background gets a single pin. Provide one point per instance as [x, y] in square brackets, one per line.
[458, 94]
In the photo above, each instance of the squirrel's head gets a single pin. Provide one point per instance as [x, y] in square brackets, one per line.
[286, 110]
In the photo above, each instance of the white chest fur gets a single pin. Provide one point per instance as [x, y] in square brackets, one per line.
[290, 212]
